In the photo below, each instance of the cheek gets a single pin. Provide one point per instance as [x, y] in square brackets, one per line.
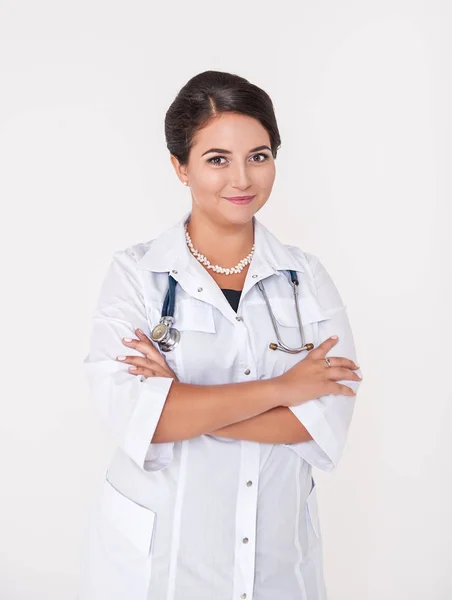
[211, 181]
[208, 191]
[266, 177]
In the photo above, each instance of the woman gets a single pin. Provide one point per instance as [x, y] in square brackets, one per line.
[210, 494]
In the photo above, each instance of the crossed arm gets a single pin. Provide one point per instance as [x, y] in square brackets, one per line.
[276, 426]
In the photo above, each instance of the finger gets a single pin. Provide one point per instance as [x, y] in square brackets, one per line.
[146, 348]
[346, 391]
[151, 372]
[338, 373]
[324, 347]
[339, 361]
[139, 361]
[143, 337]
[153, 353]
[339, 389]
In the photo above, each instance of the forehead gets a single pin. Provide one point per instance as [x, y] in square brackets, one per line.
[231, 131]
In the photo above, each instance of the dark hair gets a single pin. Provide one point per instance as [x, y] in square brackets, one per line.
[206, 96]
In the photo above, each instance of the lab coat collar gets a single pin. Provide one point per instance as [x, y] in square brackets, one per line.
[169, 251]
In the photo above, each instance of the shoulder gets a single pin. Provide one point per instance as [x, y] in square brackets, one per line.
[308, 261]
[132, 254]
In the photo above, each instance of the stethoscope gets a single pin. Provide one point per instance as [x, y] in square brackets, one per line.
[167, 337]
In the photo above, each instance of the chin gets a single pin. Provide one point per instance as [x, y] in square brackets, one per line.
[240, 214]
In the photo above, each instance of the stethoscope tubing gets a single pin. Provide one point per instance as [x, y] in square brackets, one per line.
[170, 298]
[281, 345]
[167, 318]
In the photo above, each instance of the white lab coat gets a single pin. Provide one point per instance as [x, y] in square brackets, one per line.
[210, 518]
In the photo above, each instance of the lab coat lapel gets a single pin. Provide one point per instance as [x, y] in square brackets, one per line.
[169, 253]
[198, 283]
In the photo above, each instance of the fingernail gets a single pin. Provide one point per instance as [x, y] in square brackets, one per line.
[127, 339]
[139, 331]
[334, 337]
[132, 368]
[121, 358]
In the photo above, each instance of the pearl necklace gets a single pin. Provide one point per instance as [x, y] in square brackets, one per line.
[203, 260]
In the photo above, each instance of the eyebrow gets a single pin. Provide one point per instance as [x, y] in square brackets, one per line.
[229, 152]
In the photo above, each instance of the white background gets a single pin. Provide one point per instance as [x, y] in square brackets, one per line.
[362, 93]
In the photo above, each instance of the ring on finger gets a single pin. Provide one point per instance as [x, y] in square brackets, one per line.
[328, 362]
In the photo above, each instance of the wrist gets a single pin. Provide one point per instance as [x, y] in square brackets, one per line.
[271, 393]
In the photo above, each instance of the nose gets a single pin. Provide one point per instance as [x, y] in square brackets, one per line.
[240, 178]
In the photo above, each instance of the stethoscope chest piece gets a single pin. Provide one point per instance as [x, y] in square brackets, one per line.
[166, 336]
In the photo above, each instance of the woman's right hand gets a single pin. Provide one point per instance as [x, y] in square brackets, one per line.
[312, 377]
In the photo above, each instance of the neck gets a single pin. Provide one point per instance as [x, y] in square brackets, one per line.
[221, 244]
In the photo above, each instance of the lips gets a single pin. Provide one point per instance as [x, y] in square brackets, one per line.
[240, 199]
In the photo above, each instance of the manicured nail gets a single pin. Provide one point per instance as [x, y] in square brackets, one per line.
[127, 339]
[132, 368]
[334, 337]
[121, 358]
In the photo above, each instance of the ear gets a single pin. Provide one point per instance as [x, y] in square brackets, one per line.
[181, 171]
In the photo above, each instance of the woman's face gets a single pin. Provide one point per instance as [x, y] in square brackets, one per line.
[235, 168]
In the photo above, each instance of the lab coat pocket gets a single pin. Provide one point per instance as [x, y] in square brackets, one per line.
[195, 321]
[311, 567]
[310, 311]
[313, 515]
[189, 314]
[308, 526]
[133, 521]
[284, 310]
[119, 556]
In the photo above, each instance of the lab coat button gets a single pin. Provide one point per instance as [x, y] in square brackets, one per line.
[254, 276]
[242, 595]
[239, 318]
[173, 271]
[247, 372]
[245, 540]
[249, 483]
[199, 289]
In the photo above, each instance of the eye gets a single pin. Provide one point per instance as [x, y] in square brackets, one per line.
[217, 164]
[211, 160]
[264, 154]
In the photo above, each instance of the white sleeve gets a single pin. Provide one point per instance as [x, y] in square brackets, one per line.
[328, 417]
[128, 405]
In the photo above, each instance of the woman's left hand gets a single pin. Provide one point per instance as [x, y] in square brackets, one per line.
[152, 364]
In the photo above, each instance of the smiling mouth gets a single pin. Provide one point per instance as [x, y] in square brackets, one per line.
[240, 199]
